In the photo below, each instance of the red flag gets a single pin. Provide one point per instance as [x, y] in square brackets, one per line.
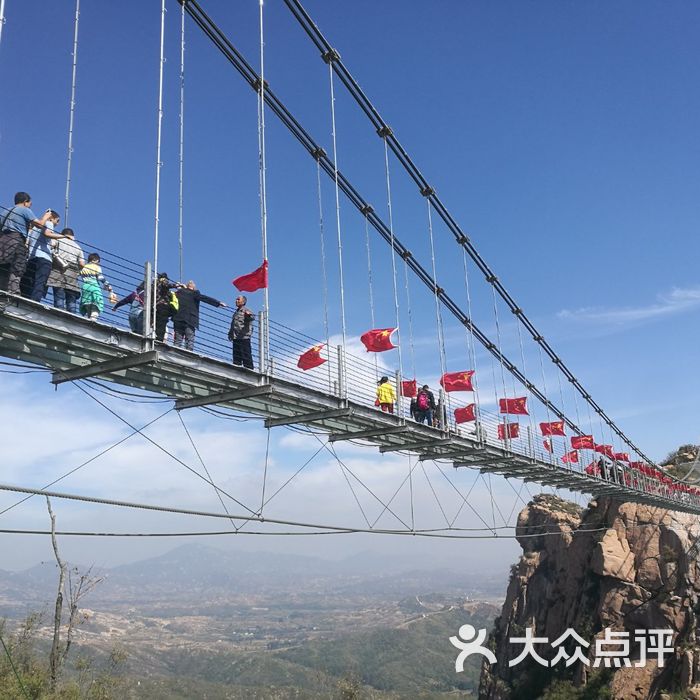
[516, 407]
[593, 469]
[622, 456]
[457, 381]
[548, 445]
[311, 358]
[606, 450]
[508, 430]
[570, 457]
[554, 428]
[409, 388]
[582, 442]
[378, 340]
[252, 281]
[466, 414]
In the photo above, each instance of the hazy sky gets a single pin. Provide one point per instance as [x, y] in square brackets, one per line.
[562, 136]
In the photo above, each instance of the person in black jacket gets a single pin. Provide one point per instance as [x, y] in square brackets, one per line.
[186, 318]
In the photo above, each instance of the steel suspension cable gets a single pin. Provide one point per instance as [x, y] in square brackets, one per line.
[393, 271]
[438, 310]
[324, 272]
[329, 58]
[181, 153]
[279, 109]
[263, 185]
[159, 164]
[2, 18]
[531, 427]
[71, 119]
[314, 33]
[471, 347]
[371, 283]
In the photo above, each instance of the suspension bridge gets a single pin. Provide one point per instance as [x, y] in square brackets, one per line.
[492, 415]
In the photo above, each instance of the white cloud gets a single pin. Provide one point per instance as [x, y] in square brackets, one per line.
[677, 301]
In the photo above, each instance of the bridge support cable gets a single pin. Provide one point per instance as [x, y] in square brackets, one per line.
[277, 107]
[400, 376]
[329, 57]
[104, 451]
[444, 399]
[314, 33]
[370, 281]
[206, 470]
[181, 150]
[71, 113]
[2, 18]
[471, 348]
[532, 434]
[324, 272]
[159, 166]
[160, 447]
[265, 326]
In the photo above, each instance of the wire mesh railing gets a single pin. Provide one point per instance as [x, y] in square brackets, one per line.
[348, 376]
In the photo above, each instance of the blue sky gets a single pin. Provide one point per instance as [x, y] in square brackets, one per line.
[562, 136]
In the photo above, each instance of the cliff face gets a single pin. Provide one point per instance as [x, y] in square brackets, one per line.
[624, 566]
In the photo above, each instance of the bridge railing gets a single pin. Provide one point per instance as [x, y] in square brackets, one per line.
[352, 377]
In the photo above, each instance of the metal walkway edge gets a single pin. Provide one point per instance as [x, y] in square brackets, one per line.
[74, 347]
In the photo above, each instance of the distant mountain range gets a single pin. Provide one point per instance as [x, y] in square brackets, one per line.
[187, 571]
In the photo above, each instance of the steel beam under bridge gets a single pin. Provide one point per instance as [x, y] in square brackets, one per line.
[74, 347]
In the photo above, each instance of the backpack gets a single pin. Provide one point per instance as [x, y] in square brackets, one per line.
[174, 301]
[423, 402]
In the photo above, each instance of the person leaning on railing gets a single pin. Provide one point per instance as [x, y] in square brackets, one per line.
[68, 259]
[15, 224]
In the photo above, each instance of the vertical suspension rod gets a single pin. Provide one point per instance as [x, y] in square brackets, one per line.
[159, 164]
[411, 168]
[71, 119]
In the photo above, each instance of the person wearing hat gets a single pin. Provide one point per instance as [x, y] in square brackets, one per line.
[386, 396]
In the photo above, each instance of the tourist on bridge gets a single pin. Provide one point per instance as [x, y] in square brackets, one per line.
[386, 396]
[186, 318]
[15, 225]
[91, 300]
[136, 301]
[166, 303]
[65, 272]
[34, 282]
[240, 333]
[425, 406]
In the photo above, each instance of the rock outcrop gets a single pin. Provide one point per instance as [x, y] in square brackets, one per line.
[623, 566]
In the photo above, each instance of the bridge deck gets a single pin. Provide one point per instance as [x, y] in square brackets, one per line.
[65, 343]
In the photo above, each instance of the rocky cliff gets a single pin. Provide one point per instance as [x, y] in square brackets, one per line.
[623, 566]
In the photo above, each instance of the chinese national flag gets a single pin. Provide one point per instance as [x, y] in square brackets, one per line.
[622, 456]
[582, 442]
[409, 388]
[378, 340]
[554, 428]
[548, 445]
[311, 358]
[515, 407]
[606, 450]
[253, 280]
[508, 430]
[570, 457]
[457, 381]
[466, 414]
[593, 469]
